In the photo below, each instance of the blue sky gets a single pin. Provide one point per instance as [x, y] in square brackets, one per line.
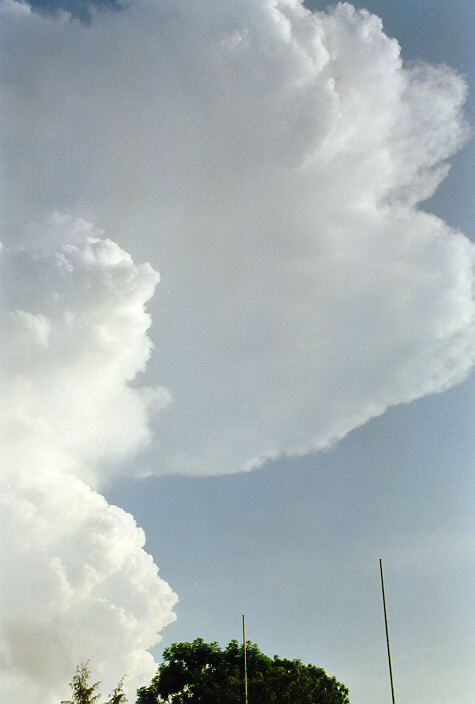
[294, 544]
[296, 547]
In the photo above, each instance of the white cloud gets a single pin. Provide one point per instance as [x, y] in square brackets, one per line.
[75, 581]
[76, 584]
[270, 162]
[70, 360]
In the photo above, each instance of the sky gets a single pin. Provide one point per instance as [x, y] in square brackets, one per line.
[236, 309]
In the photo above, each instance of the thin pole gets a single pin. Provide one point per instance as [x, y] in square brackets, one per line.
[245, 660]
[387, 632]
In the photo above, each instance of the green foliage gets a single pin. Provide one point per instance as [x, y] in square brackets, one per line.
[203, 673]
[117, 696]
[85, 693]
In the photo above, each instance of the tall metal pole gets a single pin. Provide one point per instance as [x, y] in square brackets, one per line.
[245, 660]
[387, 632]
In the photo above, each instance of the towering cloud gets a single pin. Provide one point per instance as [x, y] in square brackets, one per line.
[75, 580]
[271, 163]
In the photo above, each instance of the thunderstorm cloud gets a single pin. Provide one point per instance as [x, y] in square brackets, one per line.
[270, 162]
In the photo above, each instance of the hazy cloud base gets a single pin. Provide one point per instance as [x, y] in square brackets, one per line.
[269, 162]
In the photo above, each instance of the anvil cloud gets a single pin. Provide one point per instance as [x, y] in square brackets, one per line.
[270, 162]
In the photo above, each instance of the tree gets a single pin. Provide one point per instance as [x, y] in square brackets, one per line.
[203, 673]
[117, 696]
[85, 693]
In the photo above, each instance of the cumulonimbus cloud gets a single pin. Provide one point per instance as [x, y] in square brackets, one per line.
[271, 163]
[75, 580]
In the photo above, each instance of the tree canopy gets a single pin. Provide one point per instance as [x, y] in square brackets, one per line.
[84, 692]
[203, 673]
